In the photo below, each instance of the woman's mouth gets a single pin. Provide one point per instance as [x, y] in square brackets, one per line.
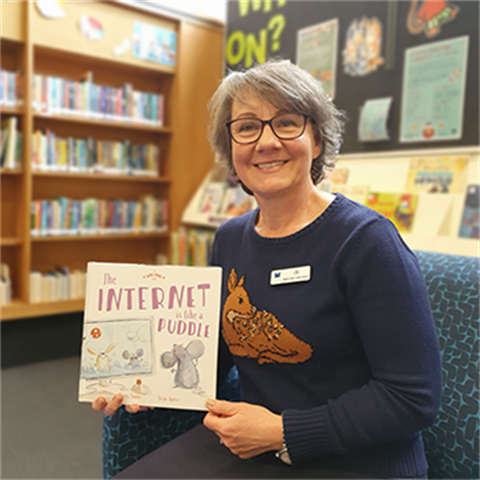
[271, 164]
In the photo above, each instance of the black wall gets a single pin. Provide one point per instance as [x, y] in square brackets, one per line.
[352, 92]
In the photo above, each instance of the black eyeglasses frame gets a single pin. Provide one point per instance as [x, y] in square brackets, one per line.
[269, 123]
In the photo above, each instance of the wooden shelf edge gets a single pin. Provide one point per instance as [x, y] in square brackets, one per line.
[10, 241]
[127, 125]
[11, 171]
[102, 176]
[17, 310]
[11, 110]
[112, 236]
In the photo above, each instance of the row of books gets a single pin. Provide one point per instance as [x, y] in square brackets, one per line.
[10, 89]
[192, 247]
[11, 144]
[54, 95]
[53, 153]
[59, 283]
[93, 216]
[5, 285]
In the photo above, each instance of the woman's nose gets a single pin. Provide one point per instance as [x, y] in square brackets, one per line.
[268, 138]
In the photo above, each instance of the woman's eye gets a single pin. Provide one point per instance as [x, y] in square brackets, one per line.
[248, 127]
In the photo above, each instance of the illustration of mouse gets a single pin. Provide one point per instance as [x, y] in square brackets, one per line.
[186, 374]
[133, 358]
[102, 362]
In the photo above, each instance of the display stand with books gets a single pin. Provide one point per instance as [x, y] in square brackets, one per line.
[430, 195]
[100, 144]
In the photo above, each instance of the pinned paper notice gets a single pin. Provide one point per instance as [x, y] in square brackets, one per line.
[373, 125]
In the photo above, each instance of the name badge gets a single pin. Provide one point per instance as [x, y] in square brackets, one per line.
[291, 275]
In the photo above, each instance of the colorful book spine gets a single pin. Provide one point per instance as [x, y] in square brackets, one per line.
[62, 96]
[53, 153]
[92, 216]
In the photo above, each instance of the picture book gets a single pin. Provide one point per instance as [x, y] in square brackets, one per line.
[237, 202]
[470, 226]
[212, 198]
[357, 193]
[400, 208]
[151, 333]
[437, 175]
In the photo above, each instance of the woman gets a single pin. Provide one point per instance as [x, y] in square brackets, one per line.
[325, 311]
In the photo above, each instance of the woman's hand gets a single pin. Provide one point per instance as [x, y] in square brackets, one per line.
[110, 408]
[246, 430]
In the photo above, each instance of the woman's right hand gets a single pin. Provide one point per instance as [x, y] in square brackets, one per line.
[110, 408]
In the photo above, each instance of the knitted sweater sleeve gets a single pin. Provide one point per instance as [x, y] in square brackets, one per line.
[383, 285]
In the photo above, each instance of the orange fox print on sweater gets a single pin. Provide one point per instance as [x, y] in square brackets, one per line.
[252, 333]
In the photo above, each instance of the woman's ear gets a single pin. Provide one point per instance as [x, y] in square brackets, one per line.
[317, 149]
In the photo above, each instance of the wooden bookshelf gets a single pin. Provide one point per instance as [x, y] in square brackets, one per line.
[35, 45]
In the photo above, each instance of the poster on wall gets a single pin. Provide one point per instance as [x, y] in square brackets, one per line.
[363, 47]
[317, 47]
[373, 125]
[429, 16]
[434, 91]
[154, 44]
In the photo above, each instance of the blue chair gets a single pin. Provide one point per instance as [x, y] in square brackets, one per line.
[451, 444]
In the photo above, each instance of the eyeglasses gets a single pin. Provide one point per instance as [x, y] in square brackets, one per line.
[285, 126]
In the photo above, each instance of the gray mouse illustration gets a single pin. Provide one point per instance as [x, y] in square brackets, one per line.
[186, 374]
[134, 358]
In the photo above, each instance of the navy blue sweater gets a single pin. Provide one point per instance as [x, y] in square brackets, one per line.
[350, 356]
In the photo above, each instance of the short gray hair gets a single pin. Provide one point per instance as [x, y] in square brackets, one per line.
[287, 87]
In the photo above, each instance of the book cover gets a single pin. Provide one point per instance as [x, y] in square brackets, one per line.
[151, 333]
[400, 208]
[212, 198]
[469, 226]
[437, 175]
[237, 202]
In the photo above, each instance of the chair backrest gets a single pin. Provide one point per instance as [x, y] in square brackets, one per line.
[451, 444]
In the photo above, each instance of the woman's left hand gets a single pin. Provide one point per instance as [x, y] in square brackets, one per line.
[246, 430]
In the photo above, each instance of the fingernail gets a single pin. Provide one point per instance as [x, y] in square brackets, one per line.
[210, 403]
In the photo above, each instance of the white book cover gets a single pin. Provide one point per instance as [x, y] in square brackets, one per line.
[151, 333]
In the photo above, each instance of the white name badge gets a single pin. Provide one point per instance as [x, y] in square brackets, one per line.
[291, 275]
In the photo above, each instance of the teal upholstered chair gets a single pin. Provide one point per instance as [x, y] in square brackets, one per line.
[451, 443]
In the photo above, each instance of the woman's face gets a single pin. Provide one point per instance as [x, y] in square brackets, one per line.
[271, 167]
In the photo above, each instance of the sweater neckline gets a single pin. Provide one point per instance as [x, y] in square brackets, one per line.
[300, 233]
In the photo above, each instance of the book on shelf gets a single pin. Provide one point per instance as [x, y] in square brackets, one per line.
[59, 283]
[357, 193]
[93, 216]
[237, 202]
[437, 175]
[151, 333]
[470, 225]
[11, 144]
[5, 285]
[400, 208]
[52, 153]
[61, 96]
[10, 89]
[192, 247]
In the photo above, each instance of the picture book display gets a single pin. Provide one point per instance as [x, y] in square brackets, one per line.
[470, 225]
[437, 175]
[400, 208]
[151, 333]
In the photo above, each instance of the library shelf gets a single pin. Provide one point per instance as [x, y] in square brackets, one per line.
[10, 241]
[11, 171]
[101, 236]
[103, 176]
[18, 309]
[126, 123]
[37, 48]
